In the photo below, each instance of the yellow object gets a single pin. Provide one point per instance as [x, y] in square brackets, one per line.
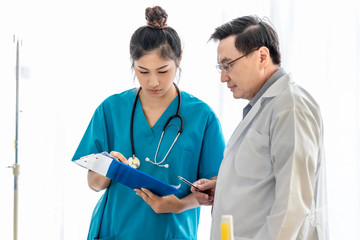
[225, 231]
[226, 226]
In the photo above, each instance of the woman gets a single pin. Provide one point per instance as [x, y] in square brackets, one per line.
[129, 125]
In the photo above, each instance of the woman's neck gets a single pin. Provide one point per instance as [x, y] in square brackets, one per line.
[153, 107]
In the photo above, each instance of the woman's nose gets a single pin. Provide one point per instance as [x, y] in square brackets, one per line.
[153, 80]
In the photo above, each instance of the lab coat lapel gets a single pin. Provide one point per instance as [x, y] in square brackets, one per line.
[272, 91]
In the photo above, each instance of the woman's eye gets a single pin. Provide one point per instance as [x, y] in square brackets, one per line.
[143, 72]
[163, 71]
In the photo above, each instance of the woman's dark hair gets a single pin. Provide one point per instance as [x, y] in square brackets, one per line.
[251, 33]
[156, 35]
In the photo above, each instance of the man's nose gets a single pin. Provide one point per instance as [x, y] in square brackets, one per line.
[224, 77]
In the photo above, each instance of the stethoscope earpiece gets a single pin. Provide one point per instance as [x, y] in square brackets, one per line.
[134, 161]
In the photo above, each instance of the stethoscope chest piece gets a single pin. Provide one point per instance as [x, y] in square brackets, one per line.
[134, 162]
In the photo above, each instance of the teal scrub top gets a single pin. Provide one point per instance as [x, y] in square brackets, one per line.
[198, 152]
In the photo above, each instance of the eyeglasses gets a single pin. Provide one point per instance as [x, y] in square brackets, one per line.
[226, 66]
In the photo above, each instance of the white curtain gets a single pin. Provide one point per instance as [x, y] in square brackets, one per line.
[75, 54]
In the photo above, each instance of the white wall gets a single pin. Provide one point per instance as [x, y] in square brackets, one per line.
[77, 54]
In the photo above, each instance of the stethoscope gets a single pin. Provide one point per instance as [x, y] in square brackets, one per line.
[134, 162]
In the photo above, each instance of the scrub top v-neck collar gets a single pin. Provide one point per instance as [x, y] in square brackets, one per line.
[141, 122]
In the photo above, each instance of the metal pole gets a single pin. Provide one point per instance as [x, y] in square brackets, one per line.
[16, 172]
[16, 166]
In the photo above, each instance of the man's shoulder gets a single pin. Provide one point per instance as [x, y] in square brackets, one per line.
[294, 97]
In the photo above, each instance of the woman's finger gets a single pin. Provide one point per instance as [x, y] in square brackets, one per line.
[120, 157]
[149, 193]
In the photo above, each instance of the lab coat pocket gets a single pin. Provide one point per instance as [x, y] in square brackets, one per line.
[252, 158]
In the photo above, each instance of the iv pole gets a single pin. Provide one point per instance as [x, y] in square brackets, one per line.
[16, 166]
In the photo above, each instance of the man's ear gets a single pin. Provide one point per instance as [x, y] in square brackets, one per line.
[264, 56]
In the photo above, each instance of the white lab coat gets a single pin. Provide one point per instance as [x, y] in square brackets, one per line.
[272, 178]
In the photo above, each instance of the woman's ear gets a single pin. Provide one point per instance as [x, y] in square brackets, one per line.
[179, 59]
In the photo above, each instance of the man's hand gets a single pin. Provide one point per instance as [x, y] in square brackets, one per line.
[205, 185]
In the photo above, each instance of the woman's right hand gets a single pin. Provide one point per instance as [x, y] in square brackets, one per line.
[119, 157]
[98, 182]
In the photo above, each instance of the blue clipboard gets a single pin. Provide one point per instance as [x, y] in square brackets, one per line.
[108, 166]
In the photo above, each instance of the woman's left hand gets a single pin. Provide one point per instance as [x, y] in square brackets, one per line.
[167, 204]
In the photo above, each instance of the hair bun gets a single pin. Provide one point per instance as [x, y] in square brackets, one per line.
[156, 17]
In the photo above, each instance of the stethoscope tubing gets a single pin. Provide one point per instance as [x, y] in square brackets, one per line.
[177, 115]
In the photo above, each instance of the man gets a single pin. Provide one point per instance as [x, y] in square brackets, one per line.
[272, 178]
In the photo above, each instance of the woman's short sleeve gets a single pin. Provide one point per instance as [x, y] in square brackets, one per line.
[212, 149]
[94, 139]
